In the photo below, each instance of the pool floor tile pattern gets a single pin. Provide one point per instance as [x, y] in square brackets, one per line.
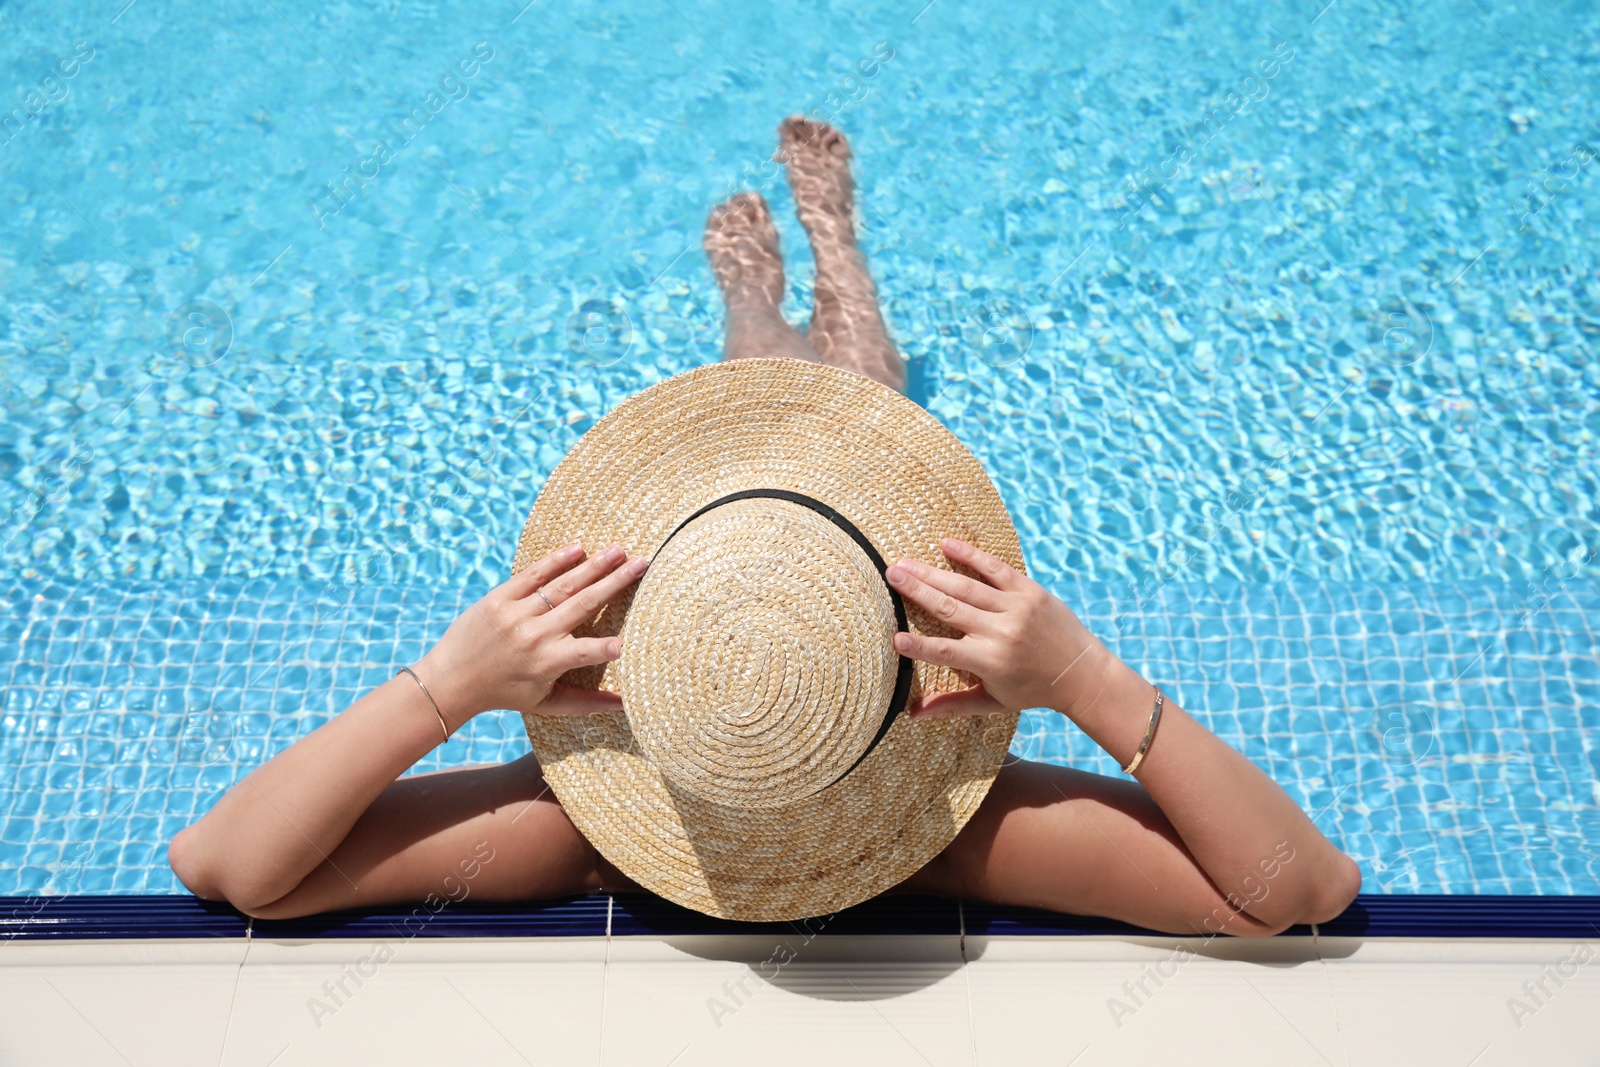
[1443, 734]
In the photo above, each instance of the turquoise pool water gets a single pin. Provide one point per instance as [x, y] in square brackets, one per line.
[1273, 323]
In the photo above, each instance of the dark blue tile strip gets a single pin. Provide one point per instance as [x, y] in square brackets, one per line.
[646, 915]
[567, 917]
[1462, 915]
[635, 915]
[102, 917]
[993, 920]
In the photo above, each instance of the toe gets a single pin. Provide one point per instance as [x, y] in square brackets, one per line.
[800, 138]
[755, 208]
[795, 136]
[833, 142]
[793, 129]
[740, 238]
[739, 212]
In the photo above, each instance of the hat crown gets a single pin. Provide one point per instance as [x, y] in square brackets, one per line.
[763, 660]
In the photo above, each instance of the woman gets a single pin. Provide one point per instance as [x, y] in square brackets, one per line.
[1201, 843]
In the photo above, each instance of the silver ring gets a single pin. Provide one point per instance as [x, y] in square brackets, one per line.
[546, 599]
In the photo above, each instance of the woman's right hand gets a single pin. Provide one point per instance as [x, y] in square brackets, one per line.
[1028, 648]
[507, 650]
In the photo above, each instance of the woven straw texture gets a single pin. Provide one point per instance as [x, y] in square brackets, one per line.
[757, 661]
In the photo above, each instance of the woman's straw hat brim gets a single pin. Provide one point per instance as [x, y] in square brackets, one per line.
[759, 664]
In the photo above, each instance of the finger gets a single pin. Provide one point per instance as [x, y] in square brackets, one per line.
[562, 588]
[941, 605]
[997, 572]
[958, 654]
[979, 595]
[565, 700]
[573, 652]
[974, 701]
[585, 603]
[540, 571]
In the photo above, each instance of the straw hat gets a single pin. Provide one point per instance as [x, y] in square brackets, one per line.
[760, 768]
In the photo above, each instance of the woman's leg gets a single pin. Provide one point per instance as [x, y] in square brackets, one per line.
[847, 328]
[742, 245]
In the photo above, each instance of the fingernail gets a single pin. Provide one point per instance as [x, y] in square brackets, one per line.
[572, 549]
[902, 642]
[613, 648]
[638, 566]
[614, 554]
[897, 575]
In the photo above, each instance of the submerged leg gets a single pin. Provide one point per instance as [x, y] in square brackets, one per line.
[847, 328]
[742, 245]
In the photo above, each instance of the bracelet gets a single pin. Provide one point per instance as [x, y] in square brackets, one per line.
[1149, 735]
[442, 727]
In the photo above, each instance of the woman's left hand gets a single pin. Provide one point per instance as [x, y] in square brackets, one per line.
[1025, 645]
[507, 650]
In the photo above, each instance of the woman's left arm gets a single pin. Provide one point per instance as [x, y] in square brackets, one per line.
[1252, 842]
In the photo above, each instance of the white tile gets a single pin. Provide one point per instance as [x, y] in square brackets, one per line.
[1442, 950]
[1150, 1001]
[1450, 1002]
[783, 1000]
[840, 1000]
[225, 951]
[116, 1002]
[1138, 950]
[489, 1002]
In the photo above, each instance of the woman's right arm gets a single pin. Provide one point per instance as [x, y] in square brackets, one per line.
[290, 816]
[285, 817]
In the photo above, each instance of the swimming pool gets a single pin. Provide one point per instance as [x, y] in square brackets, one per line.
[1274, 325]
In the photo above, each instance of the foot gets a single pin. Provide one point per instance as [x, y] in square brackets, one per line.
[817, 158]
[742, 244]
[847, 328]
